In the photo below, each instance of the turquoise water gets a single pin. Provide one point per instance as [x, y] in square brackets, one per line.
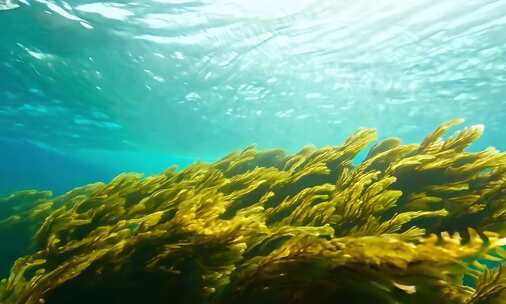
[106, 87]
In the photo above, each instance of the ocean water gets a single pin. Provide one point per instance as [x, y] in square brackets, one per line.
[91, 89]
[158, 80]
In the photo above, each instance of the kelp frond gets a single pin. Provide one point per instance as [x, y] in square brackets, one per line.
[409, 224]
[491, 287]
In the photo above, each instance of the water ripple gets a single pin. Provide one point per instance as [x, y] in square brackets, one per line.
[203, 77]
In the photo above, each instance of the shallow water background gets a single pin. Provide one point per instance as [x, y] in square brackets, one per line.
[90, 89]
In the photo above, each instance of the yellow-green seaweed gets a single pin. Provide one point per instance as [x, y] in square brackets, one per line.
[411, 223]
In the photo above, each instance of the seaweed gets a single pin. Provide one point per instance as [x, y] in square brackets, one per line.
[411, 223]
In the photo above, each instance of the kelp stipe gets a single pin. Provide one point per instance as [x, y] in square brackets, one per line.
[406, 225]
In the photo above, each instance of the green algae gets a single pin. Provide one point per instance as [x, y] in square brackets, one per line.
[406, 225]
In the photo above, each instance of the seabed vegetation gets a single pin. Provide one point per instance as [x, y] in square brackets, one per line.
[411, 223]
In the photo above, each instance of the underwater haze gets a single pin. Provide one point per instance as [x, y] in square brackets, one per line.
[139, 85]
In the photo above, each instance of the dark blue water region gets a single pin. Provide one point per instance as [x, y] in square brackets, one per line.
[24, 165]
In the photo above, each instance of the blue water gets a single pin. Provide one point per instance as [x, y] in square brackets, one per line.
[90, 89]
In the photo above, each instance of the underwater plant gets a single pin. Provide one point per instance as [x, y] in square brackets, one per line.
[411, 223]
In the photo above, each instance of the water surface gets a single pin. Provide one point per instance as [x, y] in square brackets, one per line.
[134, 85]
